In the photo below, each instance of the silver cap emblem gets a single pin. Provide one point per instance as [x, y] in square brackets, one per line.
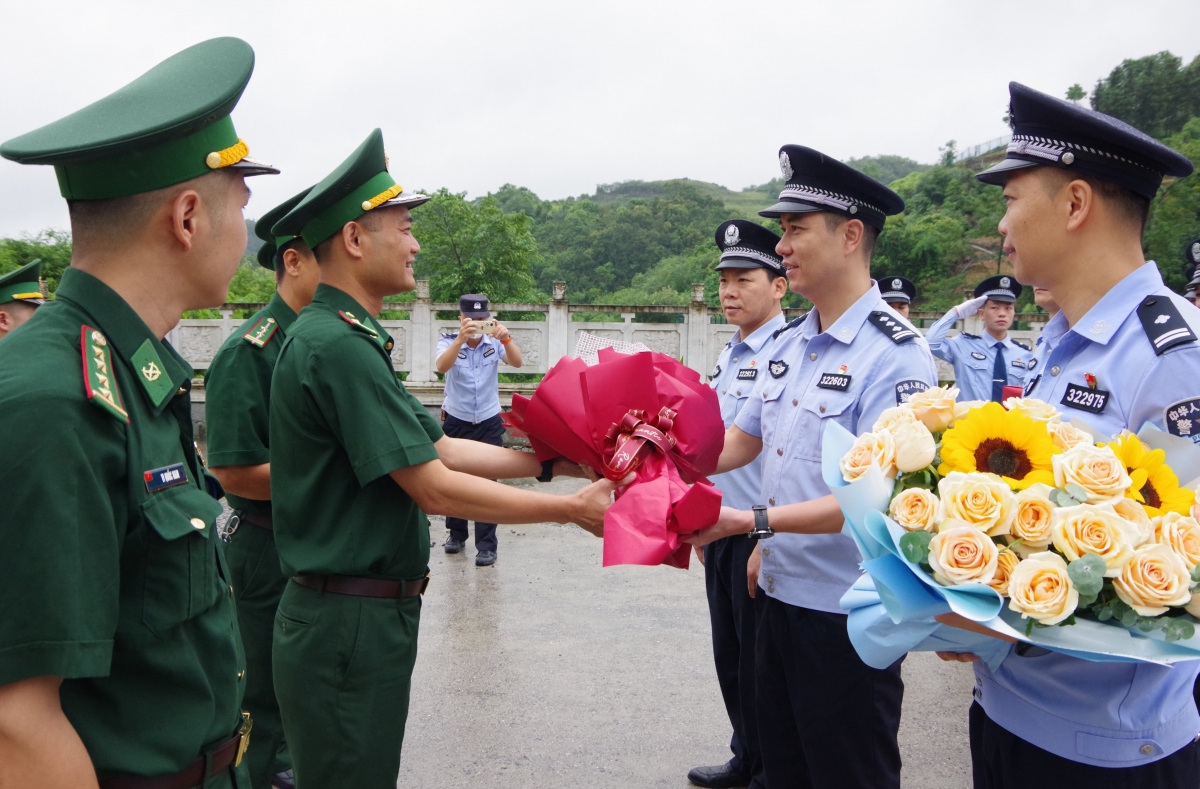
[785, 166]
[897, 284]
[1005, 282]
[478, 306]
[1068, 158]
[732, 235]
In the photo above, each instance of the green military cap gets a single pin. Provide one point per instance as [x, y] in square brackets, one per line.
[360, 184]
[23, 285]
[262, 229]
[168, 126]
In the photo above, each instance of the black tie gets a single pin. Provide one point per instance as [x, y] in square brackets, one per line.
[998, 375]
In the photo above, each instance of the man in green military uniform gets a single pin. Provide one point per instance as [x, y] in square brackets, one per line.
[20, 295]
[120, 661]
[237, 399]
[354, 468]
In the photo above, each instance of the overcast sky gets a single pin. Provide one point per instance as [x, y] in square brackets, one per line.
[560, 96]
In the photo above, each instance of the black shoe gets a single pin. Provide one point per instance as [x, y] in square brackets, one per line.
[721, 776]
[284, 780]
[485, 558]
[453, 545]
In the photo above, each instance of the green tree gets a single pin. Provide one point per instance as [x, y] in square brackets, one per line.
[474, 248]
[886, 169]
[1175, 212]
[1155, 93]
[1076, 93]
[53, 247]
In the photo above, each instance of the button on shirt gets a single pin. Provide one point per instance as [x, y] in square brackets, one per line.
[849, 374]
[473, 383]
[1105, 714]
[974, 358]
[738, 369]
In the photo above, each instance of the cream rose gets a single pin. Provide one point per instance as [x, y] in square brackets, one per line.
[1094, 528]
[915, 447]
[962, 408]
[916, 509]
[892, 418]
[1006, 562]
[1066, 436]
[1038, 410]
[1154, 579]
[1097, 470]
[1040, 588]
[982, 500]
[1180, 533]
[935, 407]
[869, 448]
[1031, 518]
[962, 555]
[1135, 513]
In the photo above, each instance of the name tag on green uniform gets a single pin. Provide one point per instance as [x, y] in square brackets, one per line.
[165, 477]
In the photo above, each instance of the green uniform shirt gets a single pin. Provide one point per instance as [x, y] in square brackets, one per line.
[237, 395]
[340, 421]
[111, 574]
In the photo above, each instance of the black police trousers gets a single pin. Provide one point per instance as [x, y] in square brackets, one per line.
[489, 431]
[826, 720]
[731, 610]
[1002, 760]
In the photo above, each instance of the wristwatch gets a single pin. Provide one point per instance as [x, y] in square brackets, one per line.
[762, 529]
[547, 471]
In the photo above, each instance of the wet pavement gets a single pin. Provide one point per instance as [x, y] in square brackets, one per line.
[548, 670]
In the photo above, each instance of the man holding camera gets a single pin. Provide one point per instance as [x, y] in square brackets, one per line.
[470, 360]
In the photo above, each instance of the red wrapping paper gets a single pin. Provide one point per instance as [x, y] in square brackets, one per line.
[667, 423]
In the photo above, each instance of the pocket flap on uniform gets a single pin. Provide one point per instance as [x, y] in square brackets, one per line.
[826, 403]
[176, 512]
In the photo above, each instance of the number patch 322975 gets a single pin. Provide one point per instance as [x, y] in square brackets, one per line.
[1085, 399]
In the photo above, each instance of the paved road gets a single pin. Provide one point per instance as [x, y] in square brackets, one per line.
[548, 670]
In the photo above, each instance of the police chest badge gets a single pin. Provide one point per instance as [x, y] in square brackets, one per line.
[1183, 419]
[977, 355]
[907, 388]
[716, 373]
[778, 368]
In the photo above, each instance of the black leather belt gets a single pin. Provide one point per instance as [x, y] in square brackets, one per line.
[364, 587]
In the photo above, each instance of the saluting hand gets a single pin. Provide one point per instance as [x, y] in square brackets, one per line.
[594, 500]
[970, 307]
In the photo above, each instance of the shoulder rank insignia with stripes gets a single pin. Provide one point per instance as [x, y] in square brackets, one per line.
[1163, 324]
[896, 330]
[99, 381]
[348, 317]
[261, 333]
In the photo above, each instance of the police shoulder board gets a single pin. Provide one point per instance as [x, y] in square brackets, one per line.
[896, 330]
[968, 334]
[1165, 327]
[99, 380]
[1024, 345]
[261, 332]
[789, 326]
[348, 317]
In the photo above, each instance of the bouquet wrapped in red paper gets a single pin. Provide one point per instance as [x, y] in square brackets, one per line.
[642, 412]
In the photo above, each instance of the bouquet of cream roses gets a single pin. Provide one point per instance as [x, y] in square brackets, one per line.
[1012, 504]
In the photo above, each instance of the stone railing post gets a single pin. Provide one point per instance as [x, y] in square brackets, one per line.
[558, 326]
[422, 335]
[697, 330]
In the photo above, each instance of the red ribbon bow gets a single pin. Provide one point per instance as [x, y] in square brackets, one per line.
[630, 441]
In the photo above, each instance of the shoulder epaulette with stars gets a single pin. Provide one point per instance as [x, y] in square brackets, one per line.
[99, 382]
[1163, 324]
[1022, 345]
[968, 334]
[261, 333]
[348, 317]
[895, 330]
[789, 326]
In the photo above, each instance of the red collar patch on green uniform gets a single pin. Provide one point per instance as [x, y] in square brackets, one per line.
[261, 333]
[348, 317]
[98, 379]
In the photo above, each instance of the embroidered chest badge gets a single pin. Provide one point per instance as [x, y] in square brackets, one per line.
[778, 368]
[1183, 419]
[99, 382]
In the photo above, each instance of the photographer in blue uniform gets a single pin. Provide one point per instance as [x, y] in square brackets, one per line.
[470, 360]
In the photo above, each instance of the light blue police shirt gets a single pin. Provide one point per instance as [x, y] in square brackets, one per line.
[472, 383]
[738, 369]
[1108, 714]
[870, 359]
[974, 358]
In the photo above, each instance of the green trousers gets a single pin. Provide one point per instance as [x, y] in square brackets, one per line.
[343, 671]
[258, 584]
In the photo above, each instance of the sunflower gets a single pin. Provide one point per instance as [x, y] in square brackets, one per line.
[1155, 485]
[995, 441]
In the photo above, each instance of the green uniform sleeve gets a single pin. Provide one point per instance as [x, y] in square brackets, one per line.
[380, 424]
[61, 463]
[236, 392]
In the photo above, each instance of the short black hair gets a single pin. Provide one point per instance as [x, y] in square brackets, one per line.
[1125, 203]
[870, 232]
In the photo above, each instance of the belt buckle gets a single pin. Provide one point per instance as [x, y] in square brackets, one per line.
[244, 731]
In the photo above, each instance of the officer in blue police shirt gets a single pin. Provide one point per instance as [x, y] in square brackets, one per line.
[470, 360]
[983, 365]
[1122, 352]
[899, 293]
[753, 283]
[825, 718]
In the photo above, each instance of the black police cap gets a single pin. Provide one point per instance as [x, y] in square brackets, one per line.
[746, 244]
[898, 289]
[816, 182]
[1002, 287]
[474, 306]
[1048, 131]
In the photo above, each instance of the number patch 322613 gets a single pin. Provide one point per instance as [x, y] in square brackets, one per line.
[1085, 399]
